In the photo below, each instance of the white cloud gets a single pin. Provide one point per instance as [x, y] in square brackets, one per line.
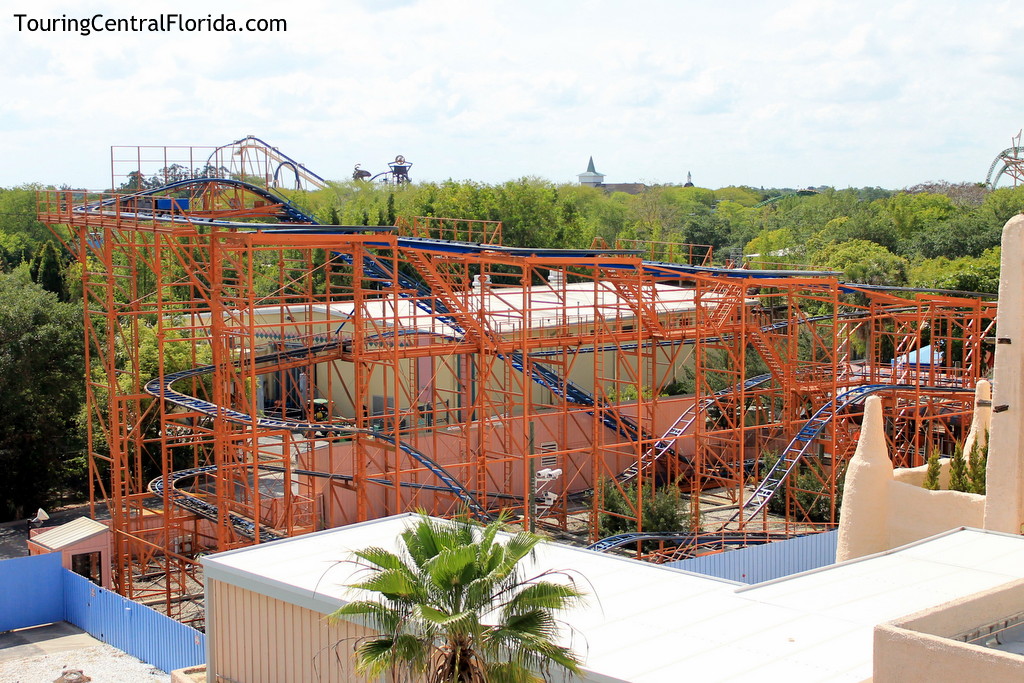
[786, 93]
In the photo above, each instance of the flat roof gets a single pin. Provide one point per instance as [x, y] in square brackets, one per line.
[647, 622]
[510, 308]
[70, 533]
[538, 307]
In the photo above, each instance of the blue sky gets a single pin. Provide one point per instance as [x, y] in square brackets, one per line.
[806, 92]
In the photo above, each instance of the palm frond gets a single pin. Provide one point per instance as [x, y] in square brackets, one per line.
[393, 584]
[381, 558]
[452, 568]
[511, 672]
[374, 656]
[375, 615]
[439, 595]
[544, 595]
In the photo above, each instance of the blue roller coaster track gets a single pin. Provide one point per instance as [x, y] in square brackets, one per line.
[707, 541]
[292, 218]
[161, 387]
[794, 452]
[787, 463]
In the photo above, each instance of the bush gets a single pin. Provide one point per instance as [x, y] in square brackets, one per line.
[808, 501]
[661, 510]
[977, 467]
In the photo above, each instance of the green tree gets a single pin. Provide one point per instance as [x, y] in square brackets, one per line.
[864, 261]
[969, 233]
[1004, 203]
[911, 212]
[958, 479]
[454, 606]
[745, 196]
[967, 273]
[774, 246]
[931, 479]
[21, 234]
[41, 373]
[46, 270]
[977, 467]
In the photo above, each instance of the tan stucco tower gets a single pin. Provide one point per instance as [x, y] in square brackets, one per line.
[1004, 507]
[864, 515]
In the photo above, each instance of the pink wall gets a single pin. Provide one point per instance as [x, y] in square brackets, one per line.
[503, 441]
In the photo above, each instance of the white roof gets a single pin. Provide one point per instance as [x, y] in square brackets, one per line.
[652, 623]
[508, 309]
[68, 534]
[542, 306]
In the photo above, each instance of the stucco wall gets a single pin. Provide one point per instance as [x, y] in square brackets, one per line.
[885, 508]
[916, 512]
[919, 647]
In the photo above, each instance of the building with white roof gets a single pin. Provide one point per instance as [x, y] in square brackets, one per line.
[556, 309]
[643, 623]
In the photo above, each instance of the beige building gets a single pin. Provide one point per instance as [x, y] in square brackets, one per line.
[556, 308]
[916, 596]
[266, 608]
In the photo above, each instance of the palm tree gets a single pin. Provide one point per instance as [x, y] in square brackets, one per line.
[454, 607]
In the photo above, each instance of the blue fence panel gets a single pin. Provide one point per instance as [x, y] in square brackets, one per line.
[131, 627]
[766, 562]
[31, 591]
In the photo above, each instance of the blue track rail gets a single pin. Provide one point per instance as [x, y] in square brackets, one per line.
[540, 374]
[245, 526]
[710, 541]
[290, 213]
[161, 387]
[788, 462]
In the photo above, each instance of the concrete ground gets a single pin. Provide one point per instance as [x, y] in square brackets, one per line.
[42, 640]
[55, 652]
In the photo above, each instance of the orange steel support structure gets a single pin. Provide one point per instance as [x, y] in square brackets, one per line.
[449, 365]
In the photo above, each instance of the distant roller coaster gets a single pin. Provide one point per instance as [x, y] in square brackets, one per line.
[1009, 163]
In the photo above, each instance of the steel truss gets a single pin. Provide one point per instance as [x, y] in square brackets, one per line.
[251, 376]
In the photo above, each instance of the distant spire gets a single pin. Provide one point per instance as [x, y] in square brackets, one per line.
[689, 180]
[591, 177]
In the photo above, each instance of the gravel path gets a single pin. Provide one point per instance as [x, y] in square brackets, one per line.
[101, 663]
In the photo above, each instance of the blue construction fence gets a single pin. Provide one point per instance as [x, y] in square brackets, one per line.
[766, 562]
[38, 590]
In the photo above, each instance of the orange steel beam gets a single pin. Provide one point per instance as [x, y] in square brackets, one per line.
[442, 380]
